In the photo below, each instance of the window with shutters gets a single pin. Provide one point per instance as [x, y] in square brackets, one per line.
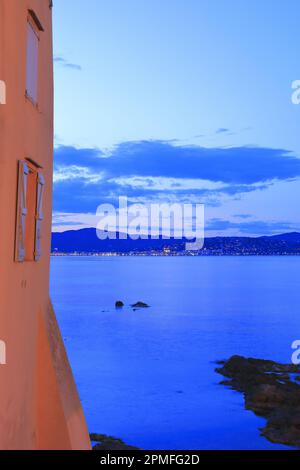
[29, 212]
[38, 216]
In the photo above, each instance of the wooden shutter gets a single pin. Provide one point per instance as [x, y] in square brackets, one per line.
[39, 216]
[23, 171]
[32, 63]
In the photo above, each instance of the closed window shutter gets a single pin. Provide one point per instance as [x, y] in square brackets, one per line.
[39, 216]
[23, 171]
[32, 64]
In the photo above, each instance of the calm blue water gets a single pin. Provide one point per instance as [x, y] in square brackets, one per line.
[148, 376]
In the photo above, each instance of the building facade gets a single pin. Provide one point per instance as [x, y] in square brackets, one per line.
[39, 404]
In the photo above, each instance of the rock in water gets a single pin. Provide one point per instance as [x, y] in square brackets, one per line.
[269, 391]
[119, 304]
[140, 305]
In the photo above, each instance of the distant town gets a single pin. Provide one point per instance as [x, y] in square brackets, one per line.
[85, 242]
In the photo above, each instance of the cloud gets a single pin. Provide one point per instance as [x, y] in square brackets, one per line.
[73, 172]
[233, 165]
[242, 216]
[73, 221]
[84, 157]
[155, 169]
[257, 227]
[64, 63]
[222, 130]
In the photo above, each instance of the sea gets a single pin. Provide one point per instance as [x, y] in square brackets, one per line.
[148, 376]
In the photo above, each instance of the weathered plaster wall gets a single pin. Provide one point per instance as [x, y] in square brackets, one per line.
[39, 405]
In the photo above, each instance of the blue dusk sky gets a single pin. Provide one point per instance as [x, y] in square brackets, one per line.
[178, 100]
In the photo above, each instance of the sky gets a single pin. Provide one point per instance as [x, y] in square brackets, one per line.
[185, 101]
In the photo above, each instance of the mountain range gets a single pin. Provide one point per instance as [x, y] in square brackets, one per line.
[86, 241]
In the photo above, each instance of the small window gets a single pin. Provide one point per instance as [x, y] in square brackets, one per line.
[29, 212]
[32, 63]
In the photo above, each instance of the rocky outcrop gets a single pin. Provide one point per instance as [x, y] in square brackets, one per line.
[270, 391]
[119, 304]
[140, 305]
[105, 442]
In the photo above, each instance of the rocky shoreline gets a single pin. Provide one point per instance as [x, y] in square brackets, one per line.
[271, 390]
[104, 442]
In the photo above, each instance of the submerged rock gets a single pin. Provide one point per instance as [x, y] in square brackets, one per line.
[140, 305]
[119, 304]
[269, 391]
[105, 442]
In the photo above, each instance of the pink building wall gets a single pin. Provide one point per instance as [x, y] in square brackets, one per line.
[39, 404]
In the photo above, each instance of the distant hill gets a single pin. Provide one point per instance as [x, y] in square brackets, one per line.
[86, 241]
[293, 237]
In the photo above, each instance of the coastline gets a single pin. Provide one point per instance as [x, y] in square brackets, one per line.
[196, 255]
